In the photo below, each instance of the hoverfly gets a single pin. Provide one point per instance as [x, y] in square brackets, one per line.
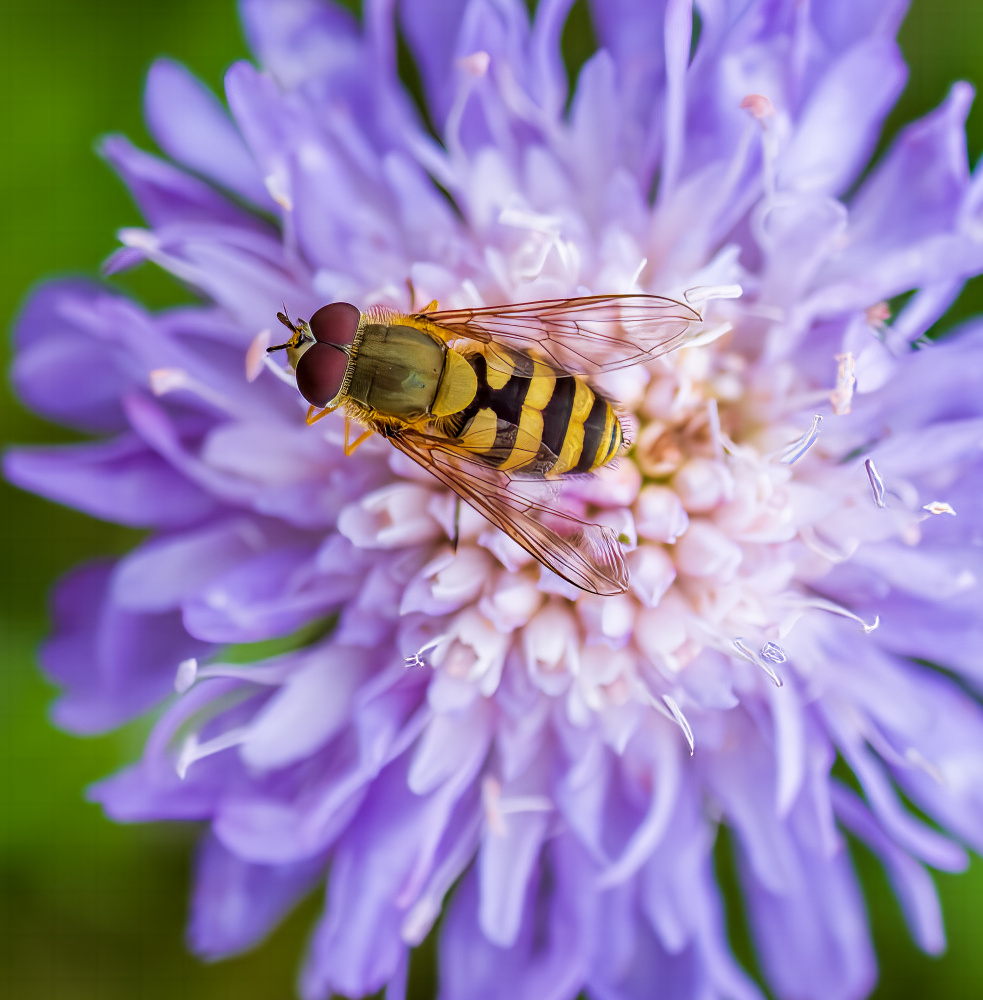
[488, 397]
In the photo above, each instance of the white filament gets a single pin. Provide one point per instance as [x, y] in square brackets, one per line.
[192, 750]
[791, 453]
[705, 293]
[497, 808]
[281, 373]
[752, 657]
[681, 721]
[165, 380]
[821, 604]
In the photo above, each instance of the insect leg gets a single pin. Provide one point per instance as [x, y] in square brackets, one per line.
[313, 418]
[430, 307]
[350, 448]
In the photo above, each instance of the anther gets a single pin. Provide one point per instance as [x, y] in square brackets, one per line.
[876, 483]
[773, 653]
[791, 453]
[752, 657]
[842, 395]
[274, 185]
[877, 315]
[939, 507]
[416, 659]
[476, 64]
[256, 355]
[187, 674]
[759, 106]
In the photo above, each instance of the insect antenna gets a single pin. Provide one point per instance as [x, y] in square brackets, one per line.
[297, 329]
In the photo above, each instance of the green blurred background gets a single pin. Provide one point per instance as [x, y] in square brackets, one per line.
[89, 909]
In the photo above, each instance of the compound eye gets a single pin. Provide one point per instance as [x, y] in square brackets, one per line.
[335, 323]
[320, 372]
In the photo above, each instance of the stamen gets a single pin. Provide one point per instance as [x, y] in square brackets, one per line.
[425, 905]
[877, 315]
[713, 422]
[842, 395]
[917, 759]
[773, 653]
[468, 79]
[274, 185]
[525, 804]
[281, 373]
[751, 656]
[192, 750]
[416, 659]
[821, 604]
[791, 453]
[187, 674]
[700, 294]
[536, 222]
[759, 106]
[256, 355]
[813, 540]
[165, 380]
[876, 484]
[939, 507]
[681, 721]
[491, 796]
[476, 64]
[638, 273]
[762, 110]
[708, 336]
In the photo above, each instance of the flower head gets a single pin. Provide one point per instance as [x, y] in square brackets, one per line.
[457, 730]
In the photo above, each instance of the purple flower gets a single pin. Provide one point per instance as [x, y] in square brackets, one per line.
[801, 502]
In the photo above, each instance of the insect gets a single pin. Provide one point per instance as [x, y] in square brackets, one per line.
[492, 399]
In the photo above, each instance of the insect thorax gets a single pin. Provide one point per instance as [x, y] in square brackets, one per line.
[396, 370]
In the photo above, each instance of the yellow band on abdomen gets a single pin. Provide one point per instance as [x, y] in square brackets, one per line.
[573, 441]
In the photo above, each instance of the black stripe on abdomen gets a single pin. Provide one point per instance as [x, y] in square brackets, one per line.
[506, 404]
[507, 401]
[594, 436]
[556, 413]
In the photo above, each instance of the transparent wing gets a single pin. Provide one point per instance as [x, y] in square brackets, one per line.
[587, 555]
[587, 336]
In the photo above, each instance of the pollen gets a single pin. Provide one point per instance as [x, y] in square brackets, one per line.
[759, 106]
[256, 355]
[877, 315]
[841, 397]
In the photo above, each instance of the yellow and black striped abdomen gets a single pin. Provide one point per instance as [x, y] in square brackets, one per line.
[533, 421]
